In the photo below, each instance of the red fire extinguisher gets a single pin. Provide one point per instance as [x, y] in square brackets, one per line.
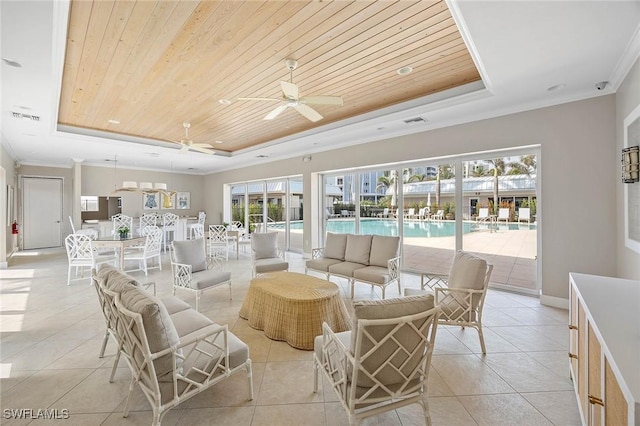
[14, 227]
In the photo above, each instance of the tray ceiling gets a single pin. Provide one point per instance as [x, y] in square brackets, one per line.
[152, 65]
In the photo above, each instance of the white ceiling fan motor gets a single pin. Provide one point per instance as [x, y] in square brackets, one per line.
[291, 64]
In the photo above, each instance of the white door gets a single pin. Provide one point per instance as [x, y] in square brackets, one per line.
[41, 212]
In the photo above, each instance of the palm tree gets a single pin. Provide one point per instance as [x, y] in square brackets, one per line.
[497, 170]
[442, 172]
[388, 181]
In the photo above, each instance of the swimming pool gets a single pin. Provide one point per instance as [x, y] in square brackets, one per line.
[415, 229]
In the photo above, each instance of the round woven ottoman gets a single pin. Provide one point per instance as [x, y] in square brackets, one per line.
[291, 307]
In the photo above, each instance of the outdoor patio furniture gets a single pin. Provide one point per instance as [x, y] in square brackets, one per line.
[503, 214]
[524, 213]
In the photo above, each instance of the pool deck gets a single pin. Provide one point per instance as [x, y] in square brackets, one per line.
[512, 253]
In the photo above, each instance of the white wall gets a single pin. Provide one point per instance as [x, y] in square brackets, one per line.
[627, 98]
[578, 160]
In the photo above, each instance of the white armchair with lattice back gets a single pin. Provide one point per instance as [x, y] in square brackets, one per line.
[192, 270]
[266, 256]
[460, 294]
[383, 362]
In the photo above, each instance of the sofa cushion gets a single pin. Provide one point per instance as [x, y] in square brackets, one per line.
[382, 309]
[189, 321]
[238, 350]
[265, 245]
[383, 249]
[335, 246]
[174, 305]
[321, 264]
[271, 265]
[372, 274]
[358, 249]
[191, 252]
[158, 327]
[205, 279]
[345, 268]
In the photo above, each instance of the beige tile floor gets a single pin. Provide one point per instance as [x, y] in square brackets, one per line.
[51, 336]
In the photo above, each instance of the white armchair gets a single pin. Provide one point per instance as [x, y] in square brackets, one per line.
[461, 294]
[192, 270]
[383, 362]
[265, 254]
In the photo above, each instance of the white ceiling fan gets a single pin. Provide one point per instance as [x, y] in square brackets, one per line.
[187, 144]
[291, 98]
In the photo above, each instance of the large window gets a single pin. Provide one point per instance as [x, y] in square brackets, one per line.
[272, 205]
[485, 204]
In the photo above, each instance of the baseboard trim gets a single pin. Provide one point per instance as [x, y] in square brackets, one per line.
[4, 265]
[555, 302]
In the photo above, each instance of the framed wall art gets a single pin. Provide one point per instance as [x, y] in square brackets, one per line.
[150, 201]
[168, 202]
[183, 200]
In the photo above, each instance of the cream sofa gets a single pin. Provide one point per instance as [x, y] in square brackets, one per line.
[370, 259]
[173, 351]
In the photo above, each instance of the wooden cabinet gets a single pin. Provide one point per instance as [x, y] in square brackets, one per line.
[604, 349]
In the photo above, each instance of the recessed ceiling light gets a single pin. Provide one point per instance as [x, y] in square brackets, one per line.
[224, 102]
[12, 63]
[405, 70]
[217, 142]
[112, 121]
[556, 87]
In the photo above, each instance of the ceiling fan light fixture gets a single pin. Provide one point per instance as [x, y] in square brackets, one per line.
[146, 186]
[160, 186]
[128, 184]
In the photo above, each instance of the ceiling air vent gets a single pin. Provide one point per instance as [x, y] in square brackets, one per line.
[415, 120]
[25, 116]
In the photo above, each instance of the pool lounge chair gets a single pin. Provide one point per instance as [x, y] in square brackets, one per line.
[423, 213]
[384, 213]
[503, 214]
[410, 214]
[483, 215]
[330, 213]
[524, 213]
[438, 216]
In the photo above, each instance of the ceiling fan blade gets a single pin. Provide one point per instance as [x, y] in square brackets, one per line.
[322, 100]
[194, 147]
[259, 99]
[184, 149]
[290, 90]
[276, 112]
[308, 112]
[202, 145]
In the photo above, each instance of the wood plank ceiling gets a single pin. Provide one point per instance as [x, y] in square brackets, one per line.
[151, 65]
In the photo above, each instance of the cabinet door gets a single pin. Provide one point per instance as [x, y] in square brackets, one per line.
[582, 362]
[594, 379]
[615, 405]
[573, 334]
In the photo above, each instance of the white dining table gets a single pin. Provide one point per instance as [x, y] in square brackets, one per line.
[118, 244]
